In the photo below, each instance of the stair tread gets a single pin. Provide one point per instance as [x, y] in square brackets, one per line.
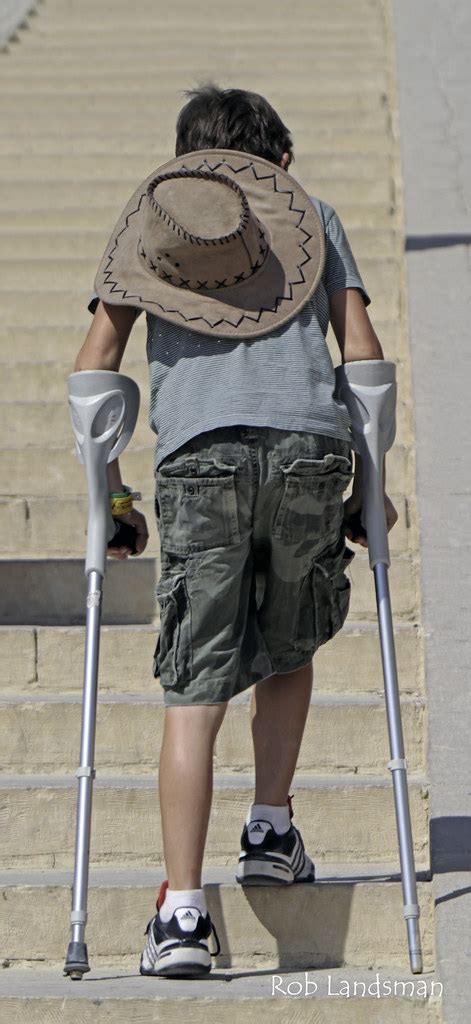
[328, 872]
[126, 983]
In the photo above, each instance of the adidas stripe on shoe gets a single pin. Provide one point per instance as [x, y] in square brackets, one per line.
[267, 857]
[178, 947]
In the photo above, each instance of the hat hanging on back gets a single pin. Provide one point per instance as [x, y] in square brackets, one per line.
[218, 241]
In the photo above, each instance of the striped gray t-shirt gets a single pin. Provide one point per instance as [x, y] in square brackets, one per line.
[284, 379]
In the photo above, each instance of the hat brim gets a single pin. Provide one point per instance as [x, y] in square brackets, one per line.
[268, 299]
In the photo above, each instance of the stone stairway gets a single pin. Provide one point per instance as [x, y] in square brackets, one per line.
[88, 101]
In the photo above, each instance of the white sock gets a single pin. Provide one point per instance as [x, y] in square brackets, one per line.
[277, 816]
[175, 898]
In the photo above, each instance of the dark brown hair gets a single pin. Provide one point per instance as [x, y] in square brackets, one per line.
[217, 118]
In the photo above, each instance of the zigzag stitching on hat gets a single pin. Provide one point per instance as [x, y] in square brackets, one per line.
[245, 316]
[188, 319]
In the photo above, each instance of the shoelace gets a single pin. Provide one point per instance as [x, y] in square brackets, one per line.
[218, 950]
[291, 812]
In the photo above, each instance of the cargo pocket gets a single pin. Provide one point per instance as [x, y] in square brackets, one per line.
[324, 598]
[198, 505]
[332, 591]
[173, 654]
[311, 505]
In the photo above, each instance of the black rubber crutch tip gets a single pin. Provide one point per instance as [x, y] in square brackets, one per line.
[76, 964]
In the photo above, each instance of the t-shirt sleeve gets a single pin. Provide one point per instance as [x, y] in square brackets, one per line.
[340, 269]
[93, 303]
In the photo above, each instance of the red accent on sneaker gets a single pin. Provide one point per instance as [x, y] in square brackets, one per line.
[291, 812]
[161, 896]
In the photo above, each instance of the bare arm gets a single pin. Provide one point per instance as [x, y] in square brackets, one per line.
[352, 326]
[357, 339]
[103, 349]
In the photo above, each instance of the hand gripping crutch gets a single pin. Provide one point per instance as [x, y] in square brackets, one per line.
[368, 389]
[104, 407]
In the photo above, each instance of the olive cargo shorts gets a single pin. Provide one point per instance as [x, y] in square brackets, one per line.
[253, 556]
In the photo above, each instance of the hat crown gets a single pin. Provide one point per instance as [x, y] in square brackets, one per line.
[180, 206]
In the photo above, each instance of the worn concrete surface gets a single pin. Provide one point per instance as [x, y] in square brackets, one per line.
[433, 40]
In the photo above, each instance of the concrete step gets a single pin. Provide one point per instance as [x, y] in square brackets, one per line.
[344, 920]
[88, 245]
[63, 194]
[365, 93]
[46, 660]
[61, 344]
[85, 141]
[381, 277]
[75, 169]
[37, 344]
[344, 733]
[104, 217]
[52, 591]
[56, 101]
[35, 411]
[362, 90]
[26, 527]
[35, 423]
[29, 420]
[72, 42]
[348, 919]
[45, 382]
[61, 475]
[352, 995]
[96, 120]
[343, 818]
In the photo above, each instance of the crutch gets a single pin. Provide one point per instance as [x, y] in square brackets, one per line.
[104, 407]
[368, 389]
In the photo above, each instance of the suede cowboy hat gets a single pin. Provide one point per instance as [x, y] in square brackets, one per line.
[218, 241]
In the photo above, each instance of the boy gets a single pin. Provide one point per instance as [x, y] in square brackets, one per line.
[239, 273]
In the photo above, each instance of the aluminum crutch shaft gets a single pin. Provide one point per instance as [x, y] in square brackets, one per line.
[77, 951]
[368, 389]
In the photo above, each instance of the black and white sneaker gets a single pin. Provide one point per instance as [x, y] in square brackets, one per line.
[178, 948]
[267, 857]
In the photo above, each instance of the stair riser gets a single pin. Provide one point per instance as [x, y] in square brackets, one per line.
[306, 927]
[26, 526]
[61, 474]
[53, 591]
[348, 824]
[41, 344]
[45, 195]
[377, 245]
[103, 218]
[85, 140]
[48, 660]
[44, 738]
[74, 99]
[395, 1009]
[47, 382]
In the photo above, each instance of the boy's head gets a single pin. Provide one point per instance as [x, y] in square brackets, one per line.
[217, 118]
